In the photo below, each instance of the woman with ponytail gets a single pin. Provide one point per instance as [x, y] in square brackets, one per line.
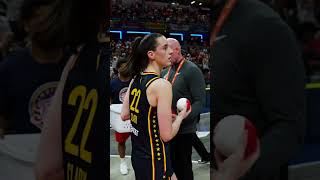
[148, 105]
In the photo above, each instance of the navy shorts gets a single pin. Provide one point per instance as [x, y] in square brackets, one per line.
[146, 169]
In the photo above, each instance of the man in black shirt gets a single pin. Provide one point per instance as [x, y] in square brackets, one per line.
[258, 73]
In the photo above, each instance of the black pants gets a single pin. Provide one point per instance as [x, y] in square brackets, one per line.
[200, 148]
[181, 151]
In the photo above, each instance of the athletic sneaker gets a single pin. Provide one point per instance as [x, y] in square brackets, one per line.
[123, 168]
[203, 161]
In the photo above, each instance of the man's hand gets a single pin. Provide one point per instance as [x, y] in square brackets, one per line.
[235, 166]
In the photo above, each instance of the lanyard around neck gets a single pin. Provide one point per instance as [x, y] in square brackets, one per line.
[222, 18]
[177, 72]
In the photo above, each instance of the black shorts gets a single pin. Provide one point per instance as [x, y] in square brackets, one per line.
[144, 170]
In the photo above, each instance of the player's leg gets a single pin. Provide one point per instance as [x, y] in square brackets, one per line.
[121, 138]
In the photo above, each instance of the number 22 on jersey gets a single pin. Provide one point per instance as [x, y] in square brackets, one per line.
[136, 97]
[87, 102]
[134, 104]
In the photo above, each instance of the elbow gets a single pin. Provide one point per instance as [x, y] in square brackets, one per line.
[166, 138]
[124, 117]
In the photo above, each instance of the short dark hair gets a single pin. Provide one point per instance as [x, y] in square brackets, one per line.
[28, 8]
[119, 64]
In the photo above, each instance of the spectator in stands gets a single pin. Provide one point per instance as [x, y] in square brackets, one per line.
[154, 13]
[306, 12]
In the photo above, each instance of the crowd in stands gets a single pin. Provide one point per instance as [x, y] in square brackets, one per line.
[163, 14]
[303, 16]
[191, 49]
[167, 13]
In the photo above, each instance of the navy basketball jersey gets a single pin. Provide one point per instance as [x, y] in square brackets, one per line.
[146, 141]
[84, 118]
[118, 90]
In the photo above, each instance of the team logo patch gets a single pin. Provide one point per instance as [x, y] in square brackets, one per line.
[122, 94]
[40, 102]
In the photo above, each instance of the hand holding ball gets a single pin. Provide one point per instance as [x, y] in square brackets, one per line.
[228, 133]
[182, 103]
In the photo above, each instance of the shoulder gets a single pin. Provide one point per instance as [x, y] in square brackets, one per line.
[19, 55]
[114, 81]
[20, 52]
[113, 85]
[263, 22]
[270, 28]
[261, 14]
[160, 84]
[255, 9]
[192, 69]
[17, 58]
[191, 65]
[253, 13]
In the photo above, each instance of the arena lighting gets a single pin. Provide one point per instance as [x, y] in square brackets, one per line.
[173, 3]
[197, 35]
[138, 32]
[120, 33]
[193, 2]
[177, 34]
[200, 4]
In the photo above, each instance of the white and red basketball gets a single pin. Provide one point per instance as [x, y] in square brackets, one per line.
[182, 103]
[227, 135]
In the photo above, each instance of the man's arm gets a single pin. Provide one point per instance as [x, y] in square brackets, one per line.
[278, 77]
[197, 88]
